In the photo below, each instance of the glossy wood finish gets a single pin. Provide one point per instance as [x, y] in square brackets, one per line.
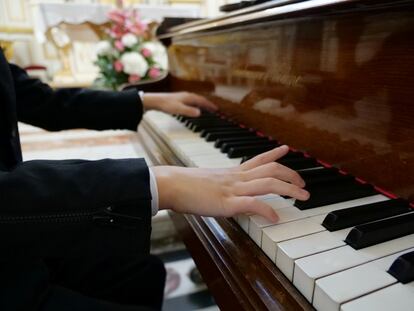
[338, 85]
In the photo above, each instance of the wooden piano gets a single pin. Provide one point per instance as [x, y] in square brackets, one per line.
[331, 78]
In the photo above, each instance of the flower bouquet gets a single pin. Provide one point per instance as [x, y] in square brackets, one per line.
[129, 55]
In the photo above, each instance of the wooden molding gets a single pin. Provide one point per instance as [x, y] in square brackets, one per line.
[16, 30]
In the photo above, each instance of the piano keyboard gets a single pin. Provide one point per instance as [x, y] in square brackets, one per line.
[348, 247]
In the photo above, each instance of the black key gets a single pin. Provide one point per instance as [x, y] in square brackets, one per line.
[188, 120]
[334, 183]
[330, 194]
[191, 123]
[299, 163]
[290, 154]
[403, 268]
[219, 142]
[182, 118]
[246, 150]
[357, 215]
[227, 146]
[310, 175]
[199, 127]
[381, 231]
[293, 155]
[205, 132]
[332, 180]
[217, 135]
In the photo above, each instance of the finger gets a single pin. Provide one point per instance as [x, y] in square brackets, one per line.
[270, 185]
[264, 158]
[275, 170]
[188, 111]
[199, 101]
[250, 205]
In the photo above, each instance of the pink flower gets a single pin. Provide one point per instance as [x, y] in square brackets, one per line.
[154, 73]
[146, 52]
[116, 32]
[134, 78]
[118, 66]
[119, 45]
[118, 16]
[137, 28]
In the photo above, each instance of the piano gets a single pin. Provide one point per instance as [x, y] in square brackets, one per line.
[333, 79]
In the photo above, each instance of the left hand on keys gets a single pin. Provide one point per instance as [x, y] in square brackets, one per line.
[182, 103]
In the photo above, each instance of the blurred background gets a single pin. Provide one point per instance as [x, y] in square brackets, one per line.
[56, 40]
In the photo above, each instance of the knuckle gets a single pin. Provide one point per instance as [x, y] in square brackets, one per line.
[275, 166]
[292, 189]
[242, 176]
[260, 157]
[250, 201]
[296, 176]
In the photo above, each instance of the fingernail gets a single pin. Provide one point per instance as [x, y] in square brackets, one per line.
[305, 194]
[275, 218]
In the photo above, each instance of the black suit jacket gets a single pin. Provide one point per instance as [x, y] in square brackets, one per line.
[70, 208]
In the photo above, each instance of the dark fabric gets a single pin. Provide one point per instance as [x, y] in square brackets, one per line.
[65, 209]
[93, 284]
[115, 283]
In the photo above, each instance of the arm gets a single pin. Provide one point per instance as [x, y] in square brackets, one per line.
[61, 208]
[54, 110]
[40, 105]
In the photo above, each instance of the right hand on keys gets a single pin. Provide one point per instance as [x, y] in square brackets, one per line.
[229, 192]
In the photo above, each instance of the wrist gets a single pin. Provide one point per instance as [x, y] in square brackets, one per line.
[150, 101]
[165, 184]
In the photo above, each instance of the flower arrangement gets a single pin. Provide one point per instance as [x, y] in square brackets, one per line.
[129, 55]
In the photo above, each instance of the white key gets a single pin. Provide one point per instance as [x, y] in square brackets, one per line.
[198, 148]
[217, 160]
[283, 207]
[178, 133]
[291, 213]
[289, 251]
[243, 221]
[336, 289]
[281, 232]
[309, 269]
[397, 297]
[181, 140]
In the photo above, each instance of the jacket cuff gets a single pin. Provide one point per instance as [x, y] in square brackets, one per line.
[131, 100]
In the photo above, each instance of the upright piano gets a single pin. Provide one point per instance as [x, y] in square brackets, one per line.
[333, 79]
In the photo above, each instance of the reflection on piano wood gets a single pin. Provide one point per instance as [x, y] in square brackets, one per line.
[334, 79]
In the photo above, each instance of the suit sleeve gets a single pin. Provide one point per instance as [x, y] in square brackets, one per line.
[75, 208]
[60, 109]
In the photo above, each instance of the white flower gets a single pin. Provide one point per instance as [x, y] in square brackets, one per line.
[103, 48]
[134, 64]
[158, 53]
[129, 40]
